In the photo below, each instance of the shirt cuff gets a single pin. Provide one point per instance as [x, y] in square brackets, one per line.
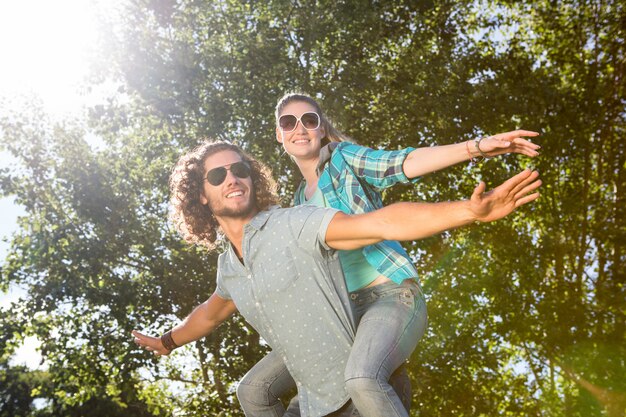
[401, 175]
[328, 216]
[222, 294]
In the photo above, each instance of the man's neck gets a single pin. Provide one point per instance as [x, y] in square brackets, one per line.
[233, 229]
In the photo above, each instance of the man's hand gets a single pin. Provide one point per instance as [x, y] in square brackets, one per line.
[200, 323]
[509, 142]
[502, 200]
[151, 344]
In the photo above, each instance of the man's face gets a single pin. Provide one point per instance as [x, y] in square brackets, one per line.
[234, 197]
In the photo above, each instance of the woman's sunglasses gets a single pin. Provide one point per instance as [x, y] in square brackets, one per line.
[309, 120]
[216, 176]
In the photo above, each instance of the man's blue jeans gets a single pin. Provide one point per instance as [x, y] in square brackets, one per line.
[261, 389]
[391, 319]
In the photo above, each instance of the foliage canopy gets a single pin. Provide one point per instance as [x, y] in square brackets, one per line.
[527, 315]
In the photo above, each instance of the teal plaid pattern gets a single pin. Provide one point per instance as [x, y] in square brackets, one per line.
[351, 178]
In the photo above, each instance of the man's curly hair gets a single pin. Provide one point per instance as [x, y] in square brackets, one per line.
[195, 221]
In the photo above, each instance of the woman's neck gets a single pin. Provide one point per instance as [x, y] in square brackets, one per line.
[308, 169]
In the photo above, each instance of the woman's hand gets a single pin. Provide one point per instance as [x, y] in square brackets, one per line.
[508, 142]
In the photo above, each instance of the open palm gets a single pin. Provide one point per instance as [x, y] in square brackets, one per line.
[502, 200]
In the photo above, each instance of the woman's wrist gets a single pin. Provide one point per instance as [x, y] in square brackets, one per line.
[470, 150]
[477, 146]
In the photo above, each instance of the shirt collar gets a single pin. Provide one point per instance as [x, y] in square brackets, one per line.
[261, 218]
[256, 223]
[325, 154]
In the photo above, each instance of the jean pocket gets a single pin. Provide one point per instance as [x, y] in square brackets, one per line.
[407, 297]
[393, 293]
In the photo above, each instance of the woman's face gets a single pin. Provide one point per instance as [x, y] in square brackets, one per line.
[304, 140]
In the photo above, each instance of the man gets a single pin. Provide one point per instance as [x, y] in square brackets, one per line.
[280, 269]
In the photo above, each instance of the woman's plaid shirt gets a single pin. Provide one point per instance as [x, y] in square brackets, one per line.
[351, 178]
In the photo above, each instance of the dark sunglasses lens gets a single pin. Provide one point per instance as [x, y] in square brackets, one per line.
[240, 169]
[287, 122]
[310, 120]
[216, 176]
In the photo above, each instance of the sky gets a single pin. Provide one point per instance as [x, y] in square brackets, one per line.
[44, 49]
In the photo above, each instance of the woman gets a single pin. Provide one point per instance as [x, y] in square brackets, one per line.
[389, 305]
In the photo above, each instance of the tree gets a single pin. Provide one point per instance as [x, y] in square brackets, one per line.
[527, 314]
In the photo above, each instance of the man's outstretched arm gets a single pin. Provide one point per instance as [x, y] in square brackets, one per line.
[201, 322]
[412, 221]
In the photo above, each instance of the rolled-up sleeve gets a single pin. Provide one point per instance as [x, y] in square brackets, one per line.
[309, 225]
[220, 289]
[379, 168]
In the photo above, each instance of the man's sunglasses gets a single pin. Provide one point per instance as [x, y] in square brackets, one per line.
[288, 122]
[216, 176]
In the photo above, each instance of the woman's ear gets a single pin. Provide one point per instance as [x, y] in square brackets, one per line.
[279, 135]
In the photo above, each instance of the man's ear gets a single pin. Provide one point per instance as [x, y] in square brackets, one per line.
[203, 200]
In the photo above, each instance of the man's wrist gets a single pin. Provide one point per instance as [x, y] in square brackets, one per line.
[469, 216]
[168, 342]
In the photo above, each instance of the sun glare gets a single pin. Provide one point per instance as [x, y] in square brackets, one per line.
[44, 47]
[44, 50]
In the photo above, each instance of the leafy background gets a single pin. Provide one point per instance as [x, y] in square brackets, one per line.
[527, 315]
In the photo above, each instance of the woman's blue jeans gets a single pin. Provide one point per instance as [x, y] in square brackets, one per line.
[391, 319]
